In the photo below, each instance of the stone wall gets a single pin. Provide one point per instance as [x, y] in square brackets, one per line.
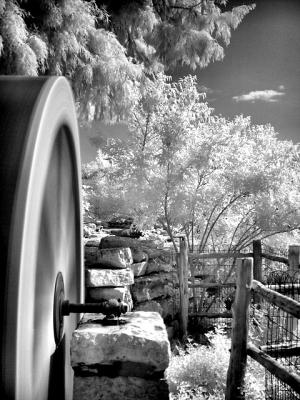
[143, 276]
[121, 362]
[126, 359]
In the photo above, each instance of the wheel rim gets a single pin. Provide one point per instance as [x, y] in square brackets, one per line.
[44, 240]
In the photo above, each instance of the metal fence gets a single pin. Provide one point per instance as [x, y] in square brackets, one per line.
[282, 338]
[211, 293]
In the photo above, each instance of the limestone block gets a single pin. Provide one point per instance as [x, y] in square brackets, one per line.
[115, 257]
[157, 265]
[138, 255]
[128, 299]
[140, 347]
[165, 307]
[149, 306]
[119, 388]
[169, 307]
[146, 246]
[106, 293]
[140, 268]
[150, 287]
[119, 241]
[96, 294]
[108, 277]
[90, 256]
[94, 242]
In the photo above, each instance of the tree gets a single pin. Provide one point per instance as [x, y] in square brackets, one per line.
[223, 182]
[173, 32]
[69, 38]
[108, 52]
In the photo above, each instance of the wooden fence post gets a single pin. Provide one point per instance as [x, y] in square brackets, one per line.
[294, 258]
[240, 309]
[257, 265]
[192, 268]
[257, 260]
[182, 263]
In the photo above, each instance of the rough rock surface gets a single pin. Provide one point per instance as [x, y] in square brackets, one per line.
[157, 265]
[95, 242]
[108, 277]
[119, 241]
[165, 307]
[140, 268]
[149, 306]
[169, 307]
[145, 246]
[138, 255]
[90, 256]
[114, 258]
[107, 258]
[106, 293]
[96, 294]
[147, 288]
[128, 299]
[119, 388]
[140, 345]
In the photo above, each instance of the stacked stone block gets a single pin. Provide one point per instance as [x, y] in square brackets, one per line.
[108, 273]
[121, 362]
[125, 359]
[155, 285]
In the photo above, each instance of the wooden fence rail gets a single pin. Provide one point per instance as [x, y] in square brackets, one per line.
[273, 366]
[183, 259]
[285, 303]
[272, 257]
[240, 347]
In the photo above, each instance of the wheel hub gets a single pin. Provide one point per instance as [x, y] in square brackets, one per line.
[58, 319]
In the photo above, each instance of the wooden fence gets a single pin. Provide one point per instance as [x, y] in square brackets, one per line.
[185, 261]
[240, 347]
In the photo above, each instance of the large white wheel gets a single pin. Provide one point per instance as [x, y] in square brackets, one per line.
[40, 219]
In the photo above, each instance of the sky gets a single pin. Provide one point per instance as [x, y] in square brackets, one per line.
[259, 76]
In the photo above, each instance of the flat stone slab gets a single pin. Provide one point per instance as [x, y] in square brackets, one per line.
[108, 277]
[119, 388]
[140, 346]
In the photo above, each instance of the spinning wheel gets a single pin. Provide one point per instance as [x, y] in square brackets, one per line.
[40, 235]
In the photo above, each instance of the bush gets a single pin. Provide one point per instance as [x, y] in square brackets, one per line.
[199, 372]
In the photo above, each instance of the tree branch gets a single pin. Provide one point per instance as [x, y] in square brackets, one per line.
[232, 201]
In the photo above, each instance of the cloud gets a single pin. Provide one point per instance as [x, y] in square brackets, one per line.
[268, 95]
[206, 89]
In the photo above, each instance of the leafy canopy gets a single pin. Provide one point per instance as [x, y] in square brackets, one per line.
[108, 50]
[218, 180]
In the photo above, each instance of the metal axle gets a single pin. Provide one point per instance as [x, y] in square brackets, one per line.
[61, 308]
[110, 307]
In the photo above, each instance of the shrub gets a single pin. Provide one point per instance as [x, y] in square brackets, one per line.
[199, 372]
